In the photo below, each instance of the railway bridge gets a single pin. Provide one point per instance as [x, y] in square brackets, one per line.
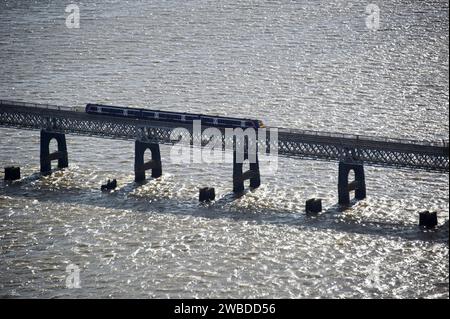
[352, 152]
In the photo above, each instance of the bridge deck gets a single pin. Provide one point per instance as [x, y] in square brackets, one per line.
[432, 156]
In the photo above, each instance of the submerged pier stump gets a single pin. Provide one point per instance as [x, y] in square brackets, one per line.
[428, 219]
[313, 206]
[12, 173]
[110, 185]
[206, 194]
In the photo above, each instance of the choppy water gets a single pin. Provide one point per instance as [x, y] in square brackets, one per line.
[301, 64]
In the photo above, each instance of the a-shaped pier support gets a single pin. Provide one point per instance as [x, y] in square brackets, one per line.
[60, 155]
[140, 166]
[239, 176]
[358, 185]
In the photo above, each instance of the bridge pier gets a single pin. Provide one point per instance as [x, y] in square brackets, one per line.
[358, 185]
[61, 155]
[239, 176]
[140, 166]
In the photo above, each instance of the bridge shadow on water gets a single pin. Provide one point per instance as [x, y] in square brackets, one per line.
[124, 198]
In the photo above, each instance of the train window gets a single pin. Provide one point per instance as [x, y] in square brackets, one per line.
[191, 118]
[169, 116]
[229, 123]
[133, 113]
[183, 118]
[92, 108]
[207, 120]
[243, 123]
[112, 111]
[156, 115]
[148, 114]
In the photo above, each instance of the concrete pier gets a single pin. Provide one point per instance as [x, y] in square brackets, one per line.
[154, 164]
[61, 154]
[345, 187]
[239, 176]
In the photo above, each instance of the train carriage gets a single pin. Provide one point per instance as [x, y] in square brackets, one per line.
[167, 116]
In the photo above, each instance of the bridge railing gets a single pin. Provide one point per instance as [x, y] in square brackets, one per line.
[442, 143]
[37, 105]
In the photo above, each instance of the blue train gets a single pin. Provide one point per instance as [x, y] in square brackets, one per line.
[166, 116]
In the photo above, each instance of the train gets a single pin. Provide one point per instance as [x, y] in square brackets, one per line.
[167, 116]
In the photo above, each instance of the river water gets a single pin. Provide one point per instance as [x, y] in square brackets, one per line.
[302, 64]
